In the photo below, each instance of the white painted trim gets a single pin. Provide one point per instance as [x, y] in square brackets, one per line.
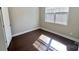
[35, 28]
[74, 39]
[32, 29]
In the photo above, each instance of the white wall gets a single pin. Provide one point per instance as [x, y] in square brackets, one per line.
[23, 18]
[72, 26]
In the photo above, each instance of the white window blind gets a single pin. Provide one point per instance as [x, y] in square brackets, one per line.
[58, 15]
[49, 18]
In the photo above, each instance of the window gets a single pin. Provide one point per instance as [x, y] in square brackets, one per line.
[57, 15]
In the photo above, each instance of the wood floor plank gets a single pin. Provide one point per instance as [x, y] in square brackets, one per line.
[25, 42]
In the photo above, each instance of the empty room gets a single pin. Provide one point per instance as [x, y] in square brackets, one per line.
[39, 28]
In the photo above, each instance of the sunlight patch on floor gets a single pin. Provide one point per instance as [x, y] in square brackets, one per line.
[45, 39]
[58, 46]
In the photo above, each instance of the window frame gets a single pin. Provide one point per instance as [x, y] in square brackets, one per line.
[55, 17]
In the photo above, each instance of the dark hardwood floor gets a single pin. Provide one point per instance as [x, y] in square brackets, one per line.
[25, 42]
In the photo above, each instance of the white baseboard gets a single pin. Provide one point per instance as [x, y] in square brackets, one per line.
[35, 28]
[32, 29]
[74, 39]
